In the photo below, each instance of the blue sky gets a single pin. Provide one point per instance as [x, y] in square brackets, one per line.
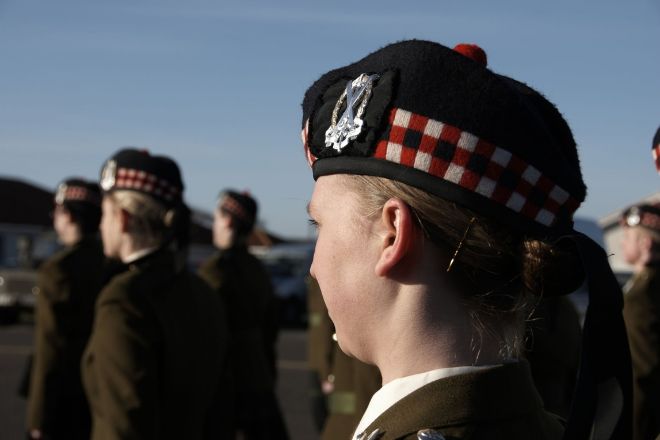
[217, 85]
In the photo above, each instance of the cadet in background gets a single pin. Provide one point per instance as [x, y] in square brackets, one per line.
[641, 249]
[242, 282]
[153, 368]
[68, 283]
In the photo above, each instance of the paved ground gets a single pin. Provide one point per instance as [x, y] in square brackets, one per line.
[15, 345]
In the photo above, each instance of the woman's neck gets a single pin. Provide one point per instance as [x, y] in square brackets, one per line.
[429, 331]
[130, 248]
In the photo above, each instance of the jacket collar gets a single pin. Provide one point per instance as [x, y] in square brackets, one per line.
[498, 393]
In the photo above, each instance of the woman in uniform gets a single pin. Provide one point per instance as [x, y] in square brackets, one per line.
[641, 249]
[155, 359]
[243, 283]
[69, 283]
[444, 198]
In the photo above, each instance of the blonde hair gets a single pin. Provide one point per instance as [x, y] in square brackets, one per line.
[500, 273]
[150, 219]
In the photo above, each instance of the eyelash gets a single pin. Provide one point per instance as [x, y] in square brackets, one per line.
[313, 223]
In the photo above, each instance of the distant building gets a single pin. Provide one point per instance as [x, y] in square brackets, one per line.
[614, 234]
[26, 235]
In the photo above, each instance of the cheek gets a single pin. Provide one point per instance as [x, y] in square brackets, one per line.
[57, 222]
[325, 272]
[629, 251]
[108, 234]
[336, 267]
[105, 227]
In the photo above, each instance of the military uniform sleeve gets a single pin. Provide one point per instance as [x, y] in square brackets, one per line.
[642, 316]
[124, 374]
[49, 345]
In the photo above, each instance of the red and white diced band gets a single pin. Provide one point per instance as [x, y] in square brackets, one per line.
[464, 159]
[127, 178]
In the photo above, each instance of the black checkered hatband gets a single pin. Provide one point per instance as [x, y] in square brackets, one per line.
[137, 170]
[645, 215]
[233, 207]
[77, 191]
[142, 181]
[457, 158]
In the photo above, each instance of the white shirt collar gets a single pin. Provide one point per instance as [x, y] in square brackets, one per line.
[399, 388]
[138, 254]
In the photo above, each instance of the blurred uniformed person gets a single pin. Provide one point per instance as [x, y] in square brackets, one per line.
[341, 385]
[154, 364]
[349, 387]
[320, 350]
[444, 199]
[243, 283]
[641, 249]
[68, 283]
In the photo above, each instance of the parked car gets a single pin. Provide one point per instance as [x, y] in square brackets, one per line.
[18, 292]
[288, 266]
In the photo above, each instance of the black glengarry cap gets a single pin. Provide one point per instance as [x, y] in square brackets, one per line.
[137, 170]
[442, 122]
[77, 190]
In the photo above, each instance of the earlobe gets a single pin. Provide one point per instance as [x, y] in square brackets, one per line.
[398, 235]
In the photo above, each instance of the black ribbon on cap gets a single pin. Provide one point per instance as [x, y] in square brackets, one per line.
[602, 399]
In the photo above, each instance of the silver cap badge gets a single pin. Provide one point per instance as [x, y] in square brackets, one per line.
[349, 126]
[429, 434]
[61, 193]
[108, 175]
[634, 217]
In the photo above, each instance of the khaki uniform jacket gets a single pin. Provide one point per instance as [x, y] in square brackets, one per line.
[354, 384]
[154, 363]
[69, 283]
[498, 403]
[244, 285]
[641, 312]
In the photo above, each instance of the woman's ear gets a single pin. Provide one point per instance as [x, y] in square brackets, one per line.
[397, 235]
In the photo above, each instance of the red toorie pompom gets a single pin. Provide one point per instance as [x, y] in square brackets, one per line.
[473, 52]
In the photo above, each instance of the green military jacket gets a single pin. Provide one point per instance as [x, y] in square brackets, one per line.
[242, 282]
[497, 403]
[68, 283]
[641, 311]
[154, 365]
